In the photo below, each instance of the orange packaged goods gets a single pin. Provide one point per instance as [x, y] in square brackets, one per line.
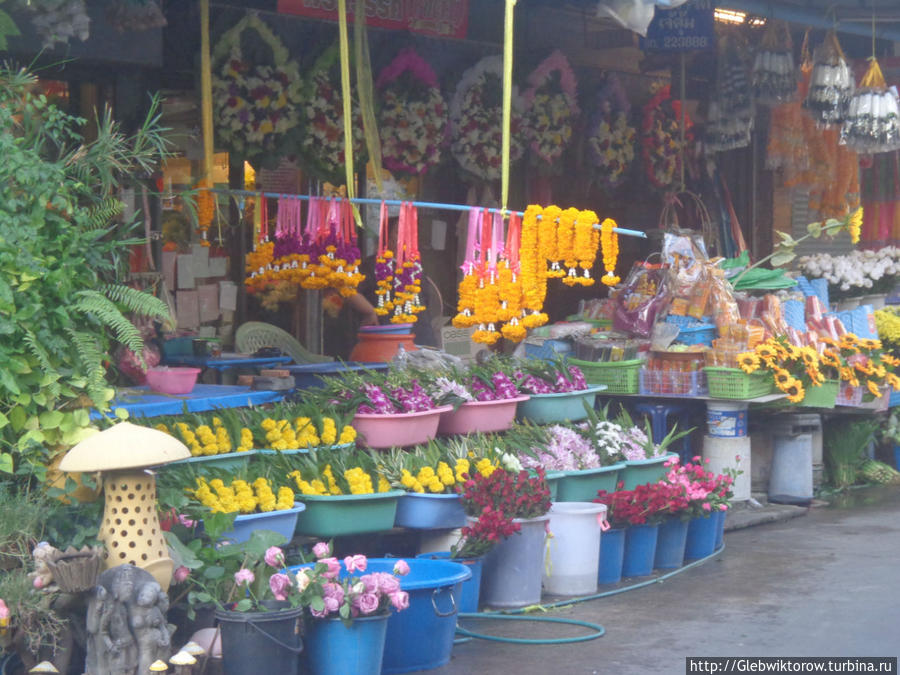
[700, 297]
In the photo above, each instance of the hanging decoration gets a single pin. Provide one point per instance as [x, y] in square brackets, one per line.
[475, 121]
[407, 271]
[384, 267]
[609, 242]
[205, 202]
[787, 149]
[413, 117]
[323, 144]
[774, 74]
[831, 83]
[533, 267]
[257, 106]
[872, 123]
[468, 286]
[611, 137]
[730, 118]
[661, 146]
[258, 265]
[287, 251]
[551, 108]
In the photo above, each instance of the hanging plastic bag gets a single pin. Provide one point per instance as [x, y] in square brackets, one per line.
[641, 299]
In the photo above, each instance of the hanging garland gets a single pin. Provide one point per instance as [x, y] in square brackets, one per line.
[609, 243]
[257, 106]
[475, 121]
[413, 117]
[660, 138]
[407, 272]
[611, 138]
[323, 144]
[551, 107]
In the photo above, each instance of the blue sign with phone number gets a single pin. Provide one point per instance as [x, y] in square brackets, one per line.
[690, 26]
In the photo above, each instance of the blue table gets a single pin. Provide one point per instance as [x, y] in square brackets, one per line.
[226, 362]
[143, 402]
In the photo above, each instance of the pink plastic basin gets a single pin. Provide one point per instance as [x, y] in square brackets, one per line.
[480, 416]
[172, 380]
[386, 431]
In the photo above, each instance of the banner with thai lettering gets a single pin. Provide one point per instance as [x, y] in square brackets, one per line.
[440, 18]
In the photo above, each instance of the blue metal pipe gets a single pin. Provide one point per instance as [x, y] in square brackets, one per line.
[397, 202]
[781, 10]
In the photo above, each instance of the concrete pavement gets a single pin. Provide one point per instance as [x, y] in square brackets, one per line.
[827, 584]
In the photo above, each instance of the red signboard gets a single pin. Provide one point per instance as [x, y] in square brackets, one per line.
[441, 18]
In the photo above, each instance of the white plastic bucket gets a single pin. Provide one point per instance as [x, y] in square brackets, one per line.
[791, 480]
[573, 553]
[726, 420]
[722, 454]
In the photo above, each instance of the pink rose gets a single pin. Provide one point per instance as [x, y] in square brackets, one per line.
[321, 550]
[706, 506]
[370, 581]
[401, 568]
[279, 584]
[244, 576]
[723, 507]
[367, 603]
[274, 557]
[388, 583]
[332, 590]
[334, 567]
[400, 600]
[355, 563]
[303, 580]
[180, 574]
[331, 605]
[319, 614]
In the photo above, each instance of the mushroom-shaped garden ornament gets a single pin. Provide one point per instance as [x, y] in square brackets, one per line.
[183, 663]
[130, 528]
[158, 667]
[44, 667]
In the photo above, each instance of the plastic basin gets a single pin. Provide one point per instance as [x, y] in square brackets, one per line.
[282, 522]
[480, 416]
[424, 511]
[387, 431]
[582, 486]
[551, 408]
[173, 380]
[644, 471]
[336, 515]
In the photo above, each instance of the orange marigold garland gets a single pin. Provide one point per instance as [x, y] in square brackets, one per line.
[609, 242]
[565, 240]
[548, 240]
[587, 241]
[206, 209]
[533, 263]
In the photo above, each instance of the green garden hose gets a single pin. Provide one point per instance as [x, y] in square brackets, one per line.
[599, 631]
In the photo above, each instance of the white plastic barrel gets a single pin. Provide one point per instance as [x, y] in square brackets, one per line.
[573, 552]
[730, 453]
[726, 419]
[791, 480]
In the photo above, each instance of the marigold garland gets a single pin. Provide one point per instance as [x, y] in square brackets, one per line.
[585, 243]
[609, 242]
[565, 238]
[533, 266]
[547, 239]
[465, 306]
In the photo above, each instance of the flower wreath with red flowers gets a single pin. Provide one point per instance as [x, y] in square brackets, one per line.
[476, 116]
[661, 138]
[257, 106]
[323, 144]
[413, 116]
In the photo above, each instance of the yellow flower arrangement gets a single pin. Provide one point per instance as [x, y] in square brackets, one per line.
[533, 268]
[748, 362]
[585, 244]
[240, 496]
[565, 240]
[303, 433]
[548, 240]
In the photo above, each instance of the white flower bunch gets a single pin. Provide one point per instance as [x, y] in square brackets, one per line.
[859, 270]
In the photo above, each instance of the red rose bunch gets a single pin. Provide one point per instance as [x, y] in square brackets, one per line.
[515, 495]
[646, 504]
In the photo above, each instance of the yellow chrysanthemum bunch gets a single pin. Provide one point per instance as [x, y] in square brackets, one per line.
[303, 433]
[241, 496]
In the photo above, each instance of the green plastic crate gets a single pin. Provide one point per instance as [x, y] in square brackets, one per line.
[823, 396]
[620, 377]
[735, 383]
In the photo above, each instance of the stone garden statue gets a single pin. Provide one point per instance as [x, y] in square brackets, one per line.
[126, 623]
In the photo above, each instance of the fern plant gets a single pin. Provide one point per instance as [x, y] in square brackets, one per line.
[63, 249]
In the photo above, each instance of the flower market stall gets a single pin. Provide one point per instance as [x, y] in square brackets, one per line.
[335, 516]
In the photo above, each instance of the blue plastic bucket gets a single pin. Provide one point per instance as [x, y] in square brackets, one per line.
[421, 637]
[429, 511]
[897, 457]
[701, 537]
[726, 420]
[720, 528]
[670, 543]
[612, 550]
[640, 550]
[471, 588]
[335, 649]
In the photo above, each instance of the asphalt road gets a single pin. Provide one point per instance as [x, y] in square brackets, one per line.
[827, 584]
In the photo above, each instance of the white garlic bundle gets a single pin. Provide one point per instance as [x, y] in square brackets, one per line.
[774, 74]
[831, 83]
[873, 115]
[730, 117]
